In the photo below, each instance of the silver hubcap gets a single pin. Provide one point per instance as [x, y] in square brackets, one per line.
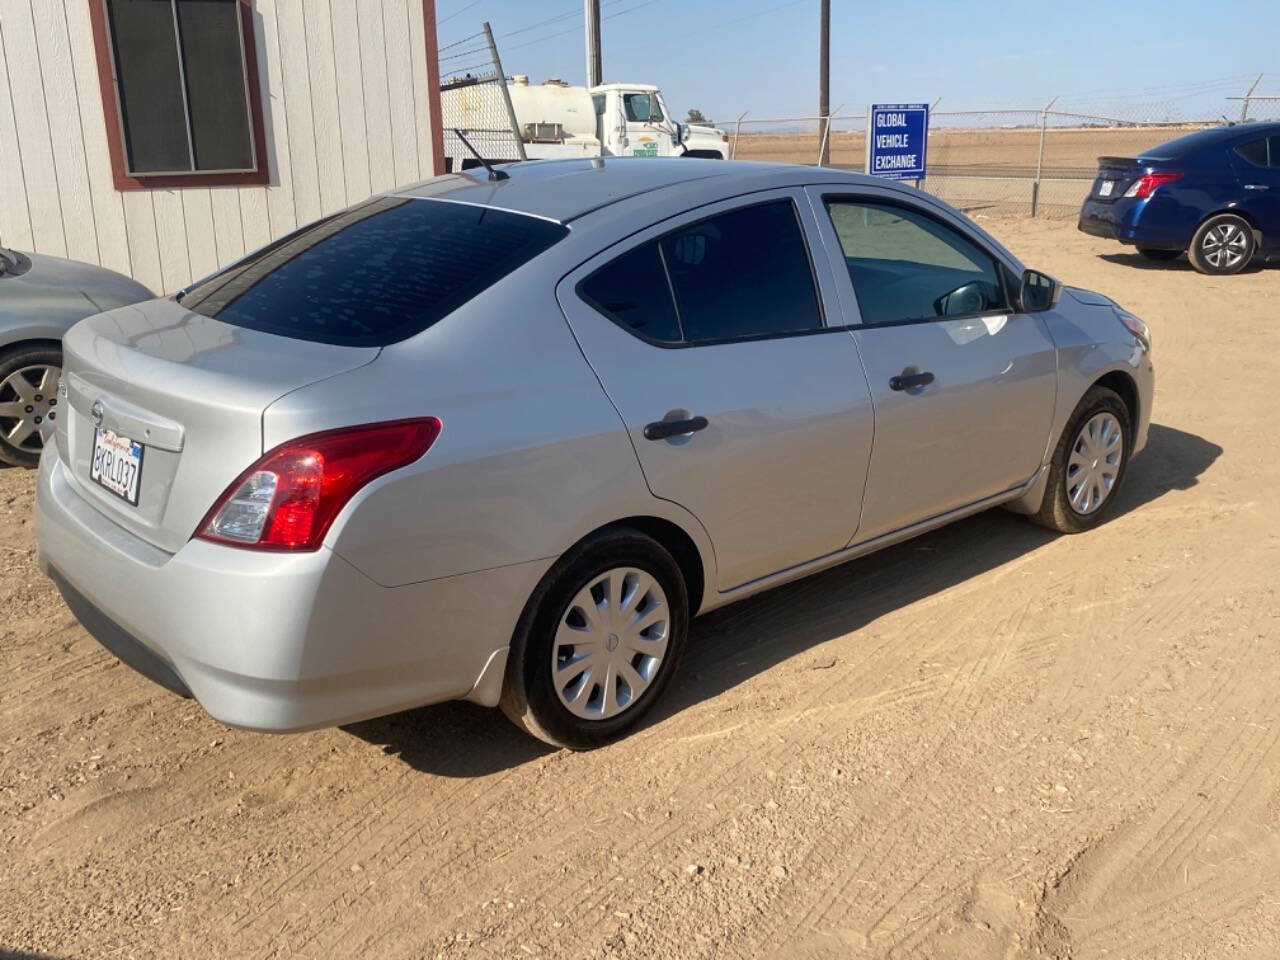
[29, 406]
[1225, 245]
[1094, 463]
[610, 643]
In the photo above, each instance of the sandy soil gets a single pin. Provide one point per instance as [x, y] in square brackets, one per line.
[991, 151]
[987, 743]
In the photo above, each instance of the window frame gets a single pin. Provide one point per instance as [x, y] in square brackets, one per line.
[1005, 272]
[123, 179]
[656, 233]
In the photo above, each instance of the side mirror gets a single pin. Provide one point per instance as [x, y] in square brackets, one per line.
[1038, 292]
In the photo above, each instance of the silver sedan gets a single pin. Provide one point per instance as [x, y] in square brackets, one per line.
[500, 439]
[41, 297]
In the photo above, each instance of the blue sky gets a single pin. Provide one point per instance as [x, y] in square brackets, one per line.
[726, 56]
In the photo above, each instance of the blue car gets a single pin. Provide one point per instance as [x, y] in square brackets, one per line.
[1214, 194]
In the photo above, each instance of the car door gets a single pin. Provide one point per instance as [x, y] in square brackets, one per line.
[963, 386]
[1257, 165]
[708, 334]
[644, 125]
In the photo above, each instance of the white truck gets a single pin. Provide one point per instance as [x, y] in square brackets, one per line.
[556, 120]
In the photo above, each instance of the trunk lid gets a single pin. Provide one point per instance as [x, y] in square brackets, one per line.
[192, 391]
[1115, 176]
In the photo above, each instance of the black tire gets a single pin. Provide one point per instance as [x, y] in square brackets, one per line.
[1056, 510]
[1161, 256]
[27, 452]
[529, 697]
[1207, 252]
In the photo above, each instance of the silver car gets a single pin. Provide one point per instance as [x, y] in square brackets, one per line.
[500, 439]
[41, 297]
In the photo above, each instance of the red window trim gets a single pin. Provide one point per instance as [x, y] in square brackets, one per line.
[111, 109]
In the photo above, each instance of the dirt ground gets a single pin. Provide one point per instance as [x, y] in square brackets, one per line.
[987, 743]
[991, 151]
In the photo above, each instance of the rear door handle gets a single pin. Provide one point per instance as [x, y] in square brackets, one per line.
[908, 381]
[665, 429]
[1256, 186]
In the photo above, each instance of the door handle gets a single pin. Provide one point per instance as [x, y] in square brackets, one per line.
[1256, 186]
[665, 429]
[908, 381]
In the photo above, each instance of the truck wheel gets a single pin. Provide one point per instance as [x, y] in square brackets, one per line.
[1224, 244]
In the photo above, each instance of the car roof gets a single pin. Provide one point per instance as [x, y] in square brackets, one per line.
[564, 190]
[1213, 136]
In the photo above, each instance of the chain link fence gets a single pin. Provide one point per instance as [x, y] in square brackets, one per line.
[474, 101]
[1032, 160]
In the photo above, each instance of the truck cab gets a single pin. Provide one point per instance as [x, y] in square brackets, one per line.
[632, 120]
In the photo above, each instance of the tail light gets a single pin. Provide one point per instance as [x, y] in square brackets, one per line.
[1146, 185]
[290, 497]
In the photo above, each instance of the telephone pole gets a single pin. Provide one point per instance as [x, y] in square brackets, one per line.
[824, 85]
[595, 74]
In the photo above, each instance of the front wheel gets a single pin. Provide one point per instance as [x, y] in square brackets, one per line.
[29, 376]
[1088, 464]
[598, 642]
[1224, 244]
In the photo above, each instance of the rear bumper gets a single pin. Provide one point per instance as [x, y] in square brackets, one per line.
[1142, 223]
[276, 642]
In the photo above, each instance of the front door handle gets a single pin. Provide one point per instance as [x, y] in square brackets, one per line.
[909, 381]
[1256, 186]
[665, 429]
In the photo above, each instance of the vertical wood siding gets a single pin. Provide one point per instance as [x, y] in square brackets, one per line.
[344, 110]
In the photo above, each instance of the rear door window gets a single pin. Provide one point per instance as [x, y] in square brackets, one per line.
[741, 275]
[905, 266]
[634, 293]
[1255, 151]
[375, 274]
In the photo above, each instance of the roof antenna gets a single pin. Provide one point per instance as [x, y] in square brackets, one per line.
[493, 174]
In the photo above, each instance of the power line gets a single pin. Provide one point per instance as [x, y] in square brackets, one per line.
[552, 36]
[461, 10]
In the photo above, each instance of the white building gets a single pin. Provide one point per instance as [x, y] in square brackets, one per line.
[165, 138]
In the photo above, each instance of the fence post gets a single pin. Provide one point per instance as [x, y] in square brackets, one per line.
[826, 134]
[733, 151]
[506, 94]
[1244, 107]
[1035, 187]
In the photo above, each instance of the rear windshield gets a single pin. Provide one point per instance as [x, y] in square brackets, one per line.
[375, 274]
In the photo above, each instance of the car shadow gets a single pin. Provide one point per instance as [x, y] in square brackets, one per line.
[734, 643]
[1181, 265]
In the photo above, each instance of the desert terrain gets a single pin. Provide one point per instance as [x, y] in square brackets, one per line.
[990, 742]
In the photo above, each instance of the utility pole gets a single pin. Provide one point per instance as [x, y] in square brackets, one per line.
[824, 84]
[595, 73]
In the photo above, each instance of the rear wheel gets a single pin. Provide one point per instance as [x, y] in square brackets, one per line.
[1089, 463]
[1224, 244]
[29, 376]
[1159, 255]
[598, 642]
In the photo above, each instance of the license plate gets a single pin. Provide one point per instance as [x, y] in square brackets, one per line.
[1105, 189]
[116, 464]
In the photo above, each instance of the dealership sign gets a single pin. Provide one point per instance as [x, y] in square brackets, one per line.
[897, 140]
